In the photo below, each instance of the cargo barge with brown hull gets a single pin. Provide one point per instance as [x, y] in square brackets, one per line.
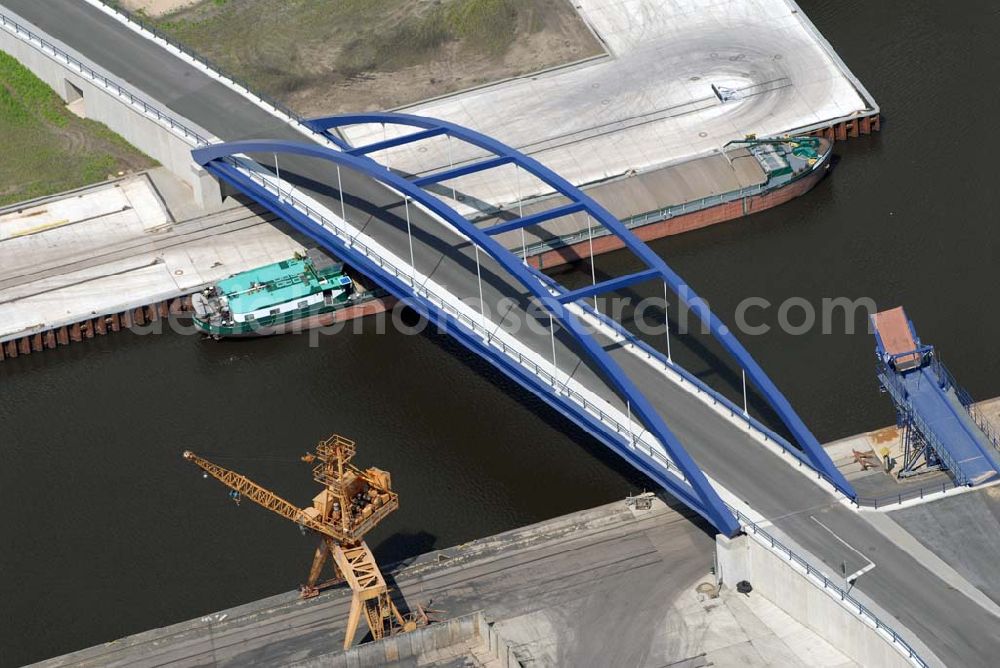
[745, 177]
[698, 187]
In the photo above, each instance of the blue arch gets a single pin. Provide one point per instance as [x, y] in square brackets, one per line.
[697, 493]
[580, 201]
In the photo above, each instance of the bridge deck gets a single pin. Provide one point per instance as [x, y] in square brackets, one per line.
[956, 629]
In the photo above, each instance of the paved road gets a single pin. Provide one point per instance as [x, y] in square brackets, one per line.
[957, 630]
[965, 531]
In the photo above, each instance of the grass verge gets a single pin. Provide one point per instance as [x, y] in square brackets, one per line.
[350, 55]
[47, 149]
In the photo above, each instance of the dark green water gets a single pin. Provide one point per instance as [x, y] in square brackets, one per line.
[108, 532]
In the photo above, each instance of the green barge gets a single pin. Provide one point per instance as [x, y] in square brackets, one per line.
[296, 294]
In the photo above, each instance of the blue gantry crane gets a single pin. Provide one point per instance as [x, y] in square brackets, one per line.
[941, 427]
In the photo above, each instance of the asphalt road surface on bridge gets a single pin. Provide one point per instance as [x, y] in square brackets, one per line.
[956, 628]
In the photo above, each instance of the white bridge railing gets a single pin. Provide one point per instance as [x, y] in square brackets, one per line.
[819, 579]
[487, 330]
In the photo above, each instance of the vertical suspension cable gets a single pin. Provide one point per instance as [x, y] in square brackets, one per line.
[451, 166]
[552, 333]
[520, 211]
[409, 235]
[666, 322]
[628, 409]
[277, 176]
[386, 150]
[479, 279]
[340, 189]
[746, 412]
[593, 270]
[590, 240]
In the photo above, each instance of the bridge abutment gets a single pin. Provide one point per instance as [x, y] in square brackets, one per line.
[819, 607]
[99, 96]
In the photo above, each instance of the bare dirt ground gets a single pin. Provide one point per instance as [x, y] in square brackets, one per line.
[155, 8]
[354, 55]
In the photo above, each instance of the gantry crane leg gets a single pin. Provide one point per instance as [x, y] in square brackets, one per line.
[370, 593]
[353, 618]
[324, 551]
[380, 613]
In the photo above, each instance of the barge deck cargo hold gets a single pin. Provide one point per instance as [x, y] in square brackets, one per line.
[293, 294]
[747, 176]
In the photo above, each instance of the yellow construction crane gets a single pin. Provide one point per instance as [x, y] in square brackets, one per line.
[351, 503]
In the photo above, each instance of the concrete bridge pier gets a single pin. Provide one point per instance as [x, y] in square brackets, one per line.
[732, 560]
[205, 188]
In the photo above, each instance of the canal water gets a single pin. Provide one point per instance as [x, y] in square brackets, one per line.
[107, 531]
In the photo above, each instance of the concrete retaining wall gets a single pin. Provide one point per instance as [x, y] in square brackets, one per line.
[775, 579]
[140, 120]
[496, 646]
[461, 635]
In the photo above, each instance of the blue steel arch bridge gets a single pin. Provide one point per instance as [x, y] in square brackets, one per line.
[586, 365]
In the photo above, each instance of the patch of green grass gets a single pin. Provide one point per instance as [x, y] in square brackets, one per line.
[25, 96]
[46, 148]
[488, 26]
[491, 24]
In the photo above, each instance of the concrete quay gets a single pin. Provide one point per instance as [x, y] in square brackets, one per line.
[613, 585]
[861, 459]
[124, 253]
[119, 248]
[650, 102]
[649, 105]
[609, 586]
